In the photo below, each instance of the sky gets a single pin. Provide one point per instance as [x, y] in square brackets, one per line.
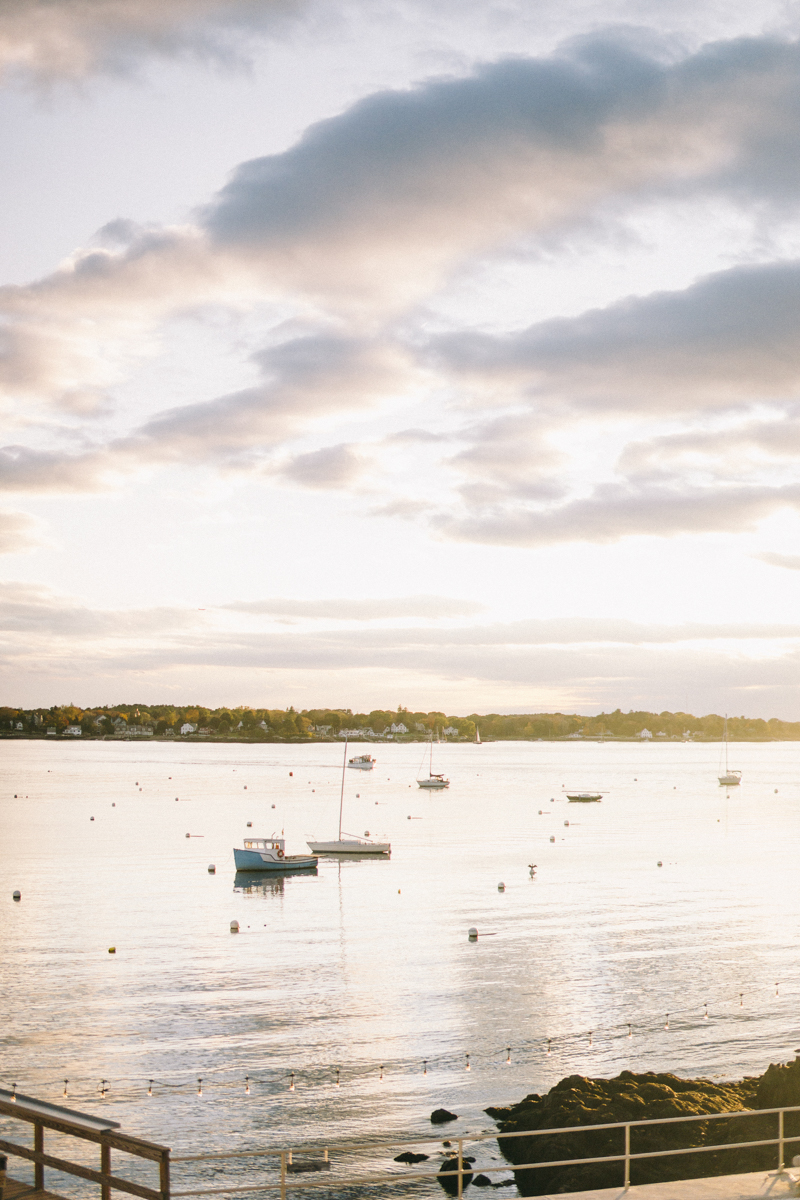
[388, 353]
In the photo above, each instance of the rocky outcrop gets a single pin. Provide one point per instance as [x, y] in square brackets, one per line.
[644, 1097]
[440, 1116]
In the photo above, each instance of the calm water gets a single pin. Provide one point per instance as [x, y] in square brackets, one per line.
[367, 964]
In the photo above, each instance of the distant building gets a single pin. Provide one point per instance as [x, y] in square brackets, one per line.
[420, 728]
[400, 728]
[574, 735]
[644, 733]
[450, 731]
[661, 734]
[187, 728]
[51, 731]
[73, 730]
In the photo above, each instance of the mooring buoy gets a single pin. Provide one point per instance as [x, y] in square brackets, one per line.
[234, 926]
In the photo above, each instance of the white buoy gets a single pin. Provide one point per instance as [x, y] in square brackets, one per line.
[552, 837]
[212, 870]
[567, 824]
[501, 887]
[91, 818]
[472, 934]
[17, 895]
[113, 804]
[273, 806]
[659, 863]
[366, 833]
[776, 791]
[234, 926]
[249, 824]
[188, 834]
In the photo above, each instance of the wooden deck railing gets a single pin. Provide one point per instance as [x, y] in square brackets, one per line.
[51, 1117]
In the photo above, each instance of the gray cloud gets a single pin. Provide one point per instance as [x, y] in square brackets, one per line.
[333, 467]
[31, 609]
[615, 511]
[730, 337]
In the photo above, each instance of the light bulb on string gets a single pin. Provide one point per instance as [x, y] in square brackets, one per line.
[291, 1082]
[590, 1041]
[150, 1088]
[508, 1054]
[247, 1085]
[776, 989]
[467, 1067]
[424, 1066]
[337, 1077]
[548, 1045]
[199, 1086]
[13, 1093]
[66, 1081]
[705, 1014]
[381, 1070]
[630, 1030]
[103, 1088]
[666, 1021]
[741, 999]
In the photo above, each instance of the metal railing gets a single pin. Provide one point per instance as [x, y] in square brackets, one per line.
[52, 1117]
[456, 1169]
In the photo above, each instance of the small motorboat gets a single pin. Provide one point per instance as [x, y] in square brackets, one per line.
[362, 762]
[269, 854]
[584, 797]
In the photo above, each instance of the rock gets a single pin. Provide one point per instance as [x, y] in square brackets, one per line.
[481, 1181]
[448, 1175]
[409, 1157]
[577, 1100]
[440, 1116]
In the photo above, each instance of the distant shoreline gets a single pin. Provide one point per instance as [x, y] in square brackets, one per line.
[266, 739]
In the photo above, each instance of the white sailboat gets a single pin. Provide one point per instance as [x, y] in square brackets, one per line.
[433, 782]
[729, 778]
[478, 741]
[350, 845]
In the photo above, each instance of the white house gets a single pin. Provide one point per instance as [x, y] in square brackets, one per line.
[187, 728]
[645, 733]
[401, 728]
[450, 731]
[73, 730]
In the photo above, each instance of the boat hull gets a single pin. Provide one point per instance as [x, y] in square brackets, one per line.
[257, 860]
[435, 785]
[585, 797]
[352, 849]
[361, 766]
[732, 779]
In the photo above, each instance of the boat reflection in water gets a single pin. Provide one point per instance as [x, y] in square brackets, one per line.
[267, 883]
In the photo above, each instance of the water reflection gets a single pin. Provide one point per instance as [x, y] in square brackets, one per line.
[267, 882]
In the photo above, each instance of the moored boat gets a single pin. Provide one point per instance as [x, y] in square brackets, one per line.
[728, 778]
[269, 854]
[362, 762]
[433, 782]
[350, 845]
[584, 797]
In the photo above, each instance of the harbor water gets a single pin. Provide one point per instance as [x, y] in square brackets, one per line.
[659, 931]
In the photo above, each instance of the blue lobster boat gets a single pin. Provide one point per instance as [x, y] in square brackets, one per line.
[269, 854]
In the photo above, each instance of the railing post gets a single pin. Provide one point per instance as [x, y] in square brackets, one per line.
[780, 1140]
[163, 1175]
[38, 1145]
[283, 1175]
[460, 1168]
[105, 1168]
[627, 1158]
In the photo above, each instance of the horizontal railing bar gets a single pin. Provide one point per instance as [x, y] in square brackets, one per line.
[118, 1141]
[69, 1168]
[497, 1135]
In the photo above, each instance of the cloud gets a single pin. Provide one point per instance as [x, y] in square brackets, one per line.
[34, 610]
[731, 336]
[17, 532]
[71, 38]
[402, 607]
[790, 561]
[614, 511]
[333, 467]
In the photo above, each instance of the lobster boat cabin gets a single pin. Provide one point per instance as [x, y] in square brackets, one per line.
[269, 854]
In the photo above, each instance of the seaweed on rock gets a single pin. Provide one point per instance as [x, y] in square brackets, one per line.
[578, 1100]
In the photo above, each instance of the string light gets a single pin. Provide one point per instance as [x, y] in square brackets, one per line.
[508, 1054]
[424, 1066]
[630, 1030]
[705, 1014]
[548, 1045]
[337, 1076]
[590, 1040]
[381, 1070]
[247, 1085]
[13, 1093]
[199, 1086]
[66, 1081]
[741, 999]
[776, 989]
[666, 1021]
[103, 1088]
[150, 1088]
[467, 1067]
[291, 1082]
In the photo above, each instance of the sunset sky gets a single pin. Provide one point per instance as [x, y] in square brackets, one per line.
[369, 354]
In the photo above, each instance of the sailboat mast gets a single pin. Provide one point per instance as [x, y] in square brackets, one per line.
[341, 798]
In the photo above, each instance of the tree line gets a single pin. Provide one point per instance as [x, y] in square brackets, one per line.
[269, 724]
